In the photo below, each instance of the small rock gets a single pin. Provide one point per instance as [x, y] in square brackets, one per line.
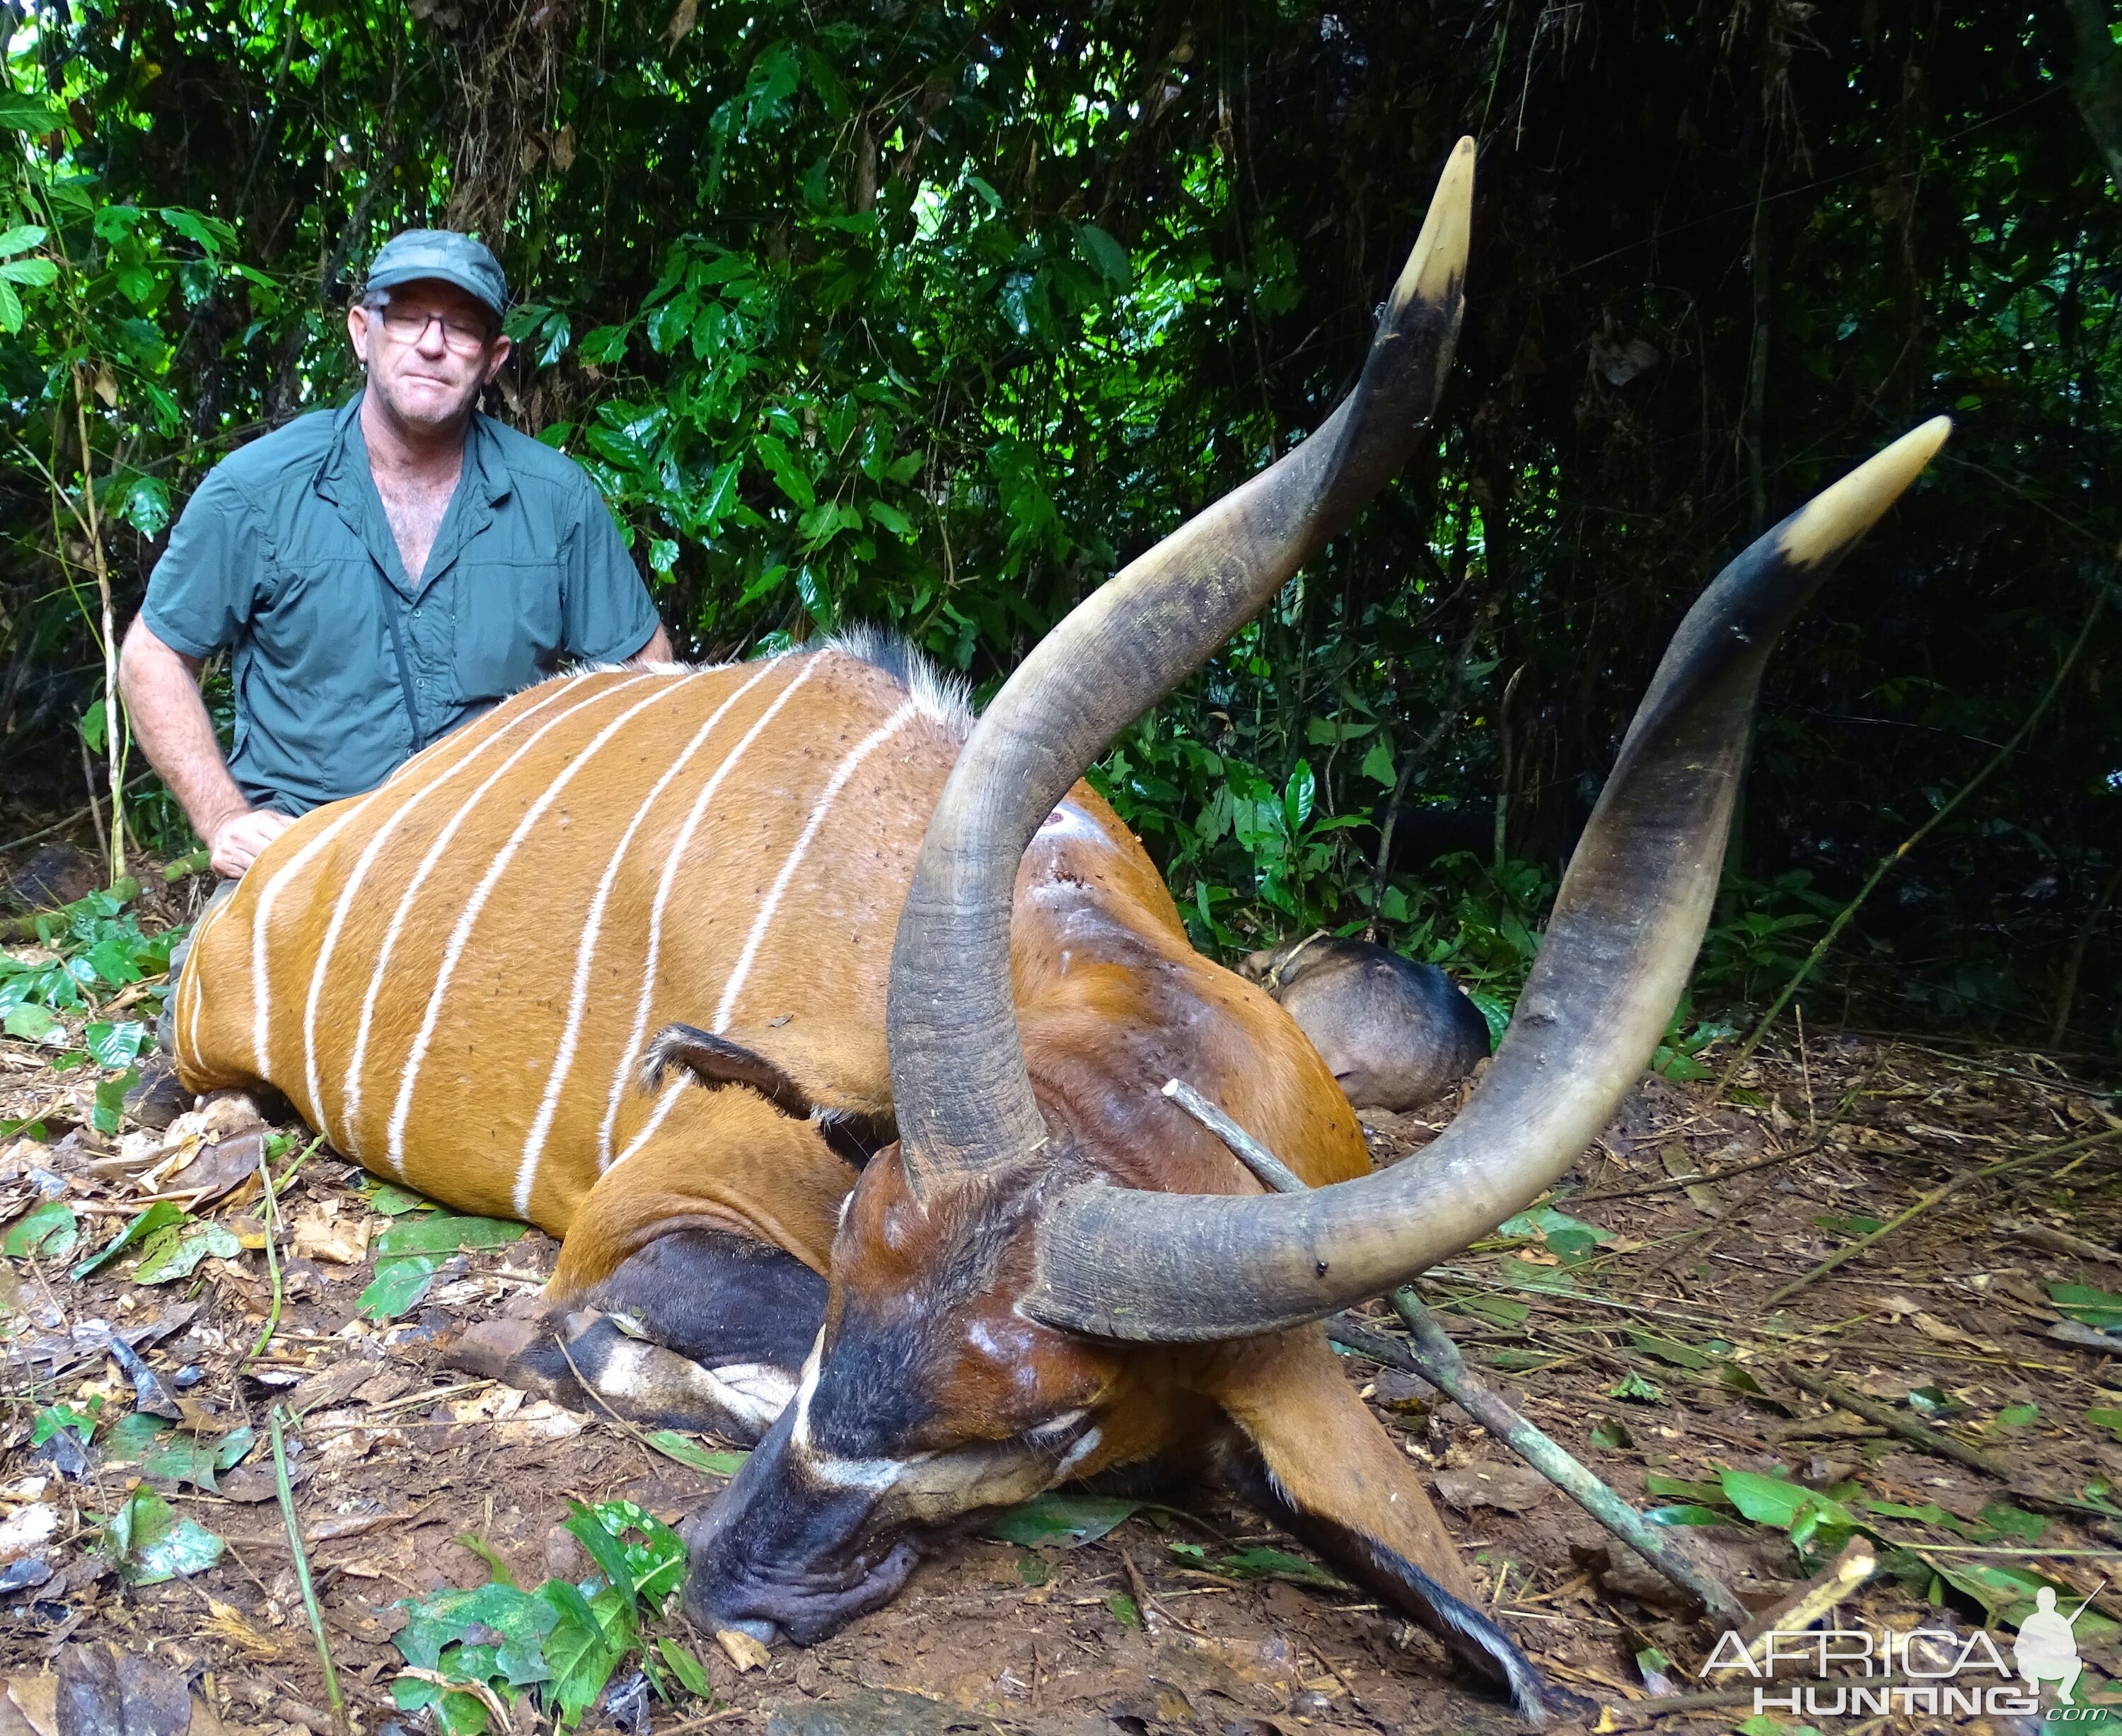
[564, 1559]
[1508, 1488]
[743, 1650]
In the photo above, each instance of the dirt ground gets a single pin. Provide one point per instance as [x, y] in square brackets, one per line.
[1638, 1323]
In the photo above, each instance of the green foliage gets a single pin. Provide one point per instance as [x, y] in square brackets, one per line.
[562, 1640]
[931, 316]
[98, 948]
[148, 1543]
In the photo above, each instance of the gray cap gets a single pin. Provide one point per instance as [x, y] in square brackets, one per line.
[415, 253]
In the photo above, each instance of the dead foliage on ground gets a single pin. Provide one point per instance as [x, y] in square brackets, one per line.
[1720, 1310]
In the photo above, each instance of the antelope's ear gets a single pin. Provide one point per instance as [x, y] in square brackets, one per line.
[1312, 1458]
[715, 1061]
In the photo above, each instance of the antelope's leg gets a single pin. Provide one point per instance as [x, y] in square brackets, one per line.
[676, 1300]
[1314, 1459]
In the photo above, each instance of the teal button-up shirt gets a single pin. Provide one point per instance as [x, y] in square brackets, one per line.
[284, 555]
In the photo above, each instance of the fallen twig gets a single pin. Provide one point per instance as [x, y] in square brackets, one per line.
[1871, 1239]
[1933, 1441]
[1673, 1183]
[336, 1700]
[1436, 1359]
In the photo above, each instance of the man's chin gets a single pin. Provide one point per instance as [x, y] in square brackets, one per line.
[430, 409]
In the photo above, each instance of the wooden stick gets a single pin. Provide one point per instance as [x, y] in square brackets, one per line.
[309, 1605]
[1944, 1190]
[1933, 1441]
[1436, 1359]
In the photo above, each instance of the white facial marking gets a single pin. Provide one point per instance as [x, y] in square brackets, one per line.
[830, 1468]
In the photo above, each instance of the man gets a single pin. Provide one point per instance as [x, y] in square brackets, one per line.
[381, 572]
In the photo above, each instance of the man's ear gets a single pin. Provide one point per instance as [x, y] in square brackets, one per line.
[358, 330]
[502, 348]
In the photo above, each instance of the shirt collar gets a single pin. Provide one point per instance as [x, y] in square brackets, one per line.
[486, 464]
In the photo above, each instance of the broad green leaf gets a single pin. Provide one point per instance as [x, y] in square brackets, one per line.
[35, 1024]
[20, 239]
[1770, 1501]
[109, 1114]
[115, 1045]
[1062, 1521]
[398, 1286]
[11, 307]
[34, 273]
[164, 1454]
[578, 1651]
[1686, 1512]
[1276, 1563]
[176, 1252]
[445, 1234]
[393, 1202]
[148, 1543]
[1634, 1387]
[788, 475]
[673, 1445]
[1378, 765]
[50, 1421]
[2107, 1417]
[2082, 1302]
[24, 114]
[1105, 254]
[891, 518]
[146, 505]
[46, 1232]
[444, 1618]
[158, 1216]
[685, 1667]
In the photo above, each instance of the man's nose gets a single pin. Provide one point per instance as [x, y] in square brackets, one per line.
[434, 340]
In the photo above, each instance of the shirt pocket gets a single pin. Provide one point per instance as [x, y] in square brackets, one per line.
[509, 626]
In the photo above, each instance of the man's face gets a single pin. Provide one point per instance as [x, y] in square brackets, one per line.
[428, 351]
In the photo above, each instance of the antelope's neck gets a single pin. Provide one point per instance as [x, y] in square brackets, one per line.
[1112, 1001]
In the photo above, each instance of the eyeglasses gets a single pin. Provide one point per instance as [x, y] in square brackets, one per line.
[406, 326]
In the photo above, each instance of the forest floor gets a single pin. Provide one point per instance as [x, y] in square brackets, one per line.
[1664, 1330]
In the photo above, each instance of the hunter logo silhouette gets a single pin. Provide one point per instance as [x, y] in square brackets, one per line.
[2047, 1646]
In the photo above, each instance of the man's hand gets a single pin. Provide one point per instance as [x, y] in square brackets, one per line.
[238, 840]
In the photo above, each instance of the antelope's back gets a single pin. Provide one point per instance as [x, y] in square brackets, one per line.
[453, 978]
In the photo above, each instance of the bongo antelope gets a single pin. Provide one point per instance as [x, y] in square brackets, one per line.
[826, 1026]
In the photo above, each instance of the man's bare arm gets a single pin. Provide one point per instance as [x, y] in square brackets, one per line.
[657, 650]
[161, 688]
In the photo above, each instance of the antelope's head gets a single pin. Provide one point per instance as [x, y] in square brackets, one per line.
[1002, 1316]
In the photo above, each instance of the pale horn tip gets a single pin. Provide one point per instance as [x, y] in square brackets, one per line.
[1438, 266]
[1836, 517]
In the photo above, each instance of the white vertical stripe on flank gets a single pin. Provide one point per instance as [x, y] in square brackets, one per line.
[191, 985]
[861, 752]
[664, 1105]
[350, 893]
[395, 1146]
[261, 933]
[632, 1053]
[564, 1059]
[351, 1090]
